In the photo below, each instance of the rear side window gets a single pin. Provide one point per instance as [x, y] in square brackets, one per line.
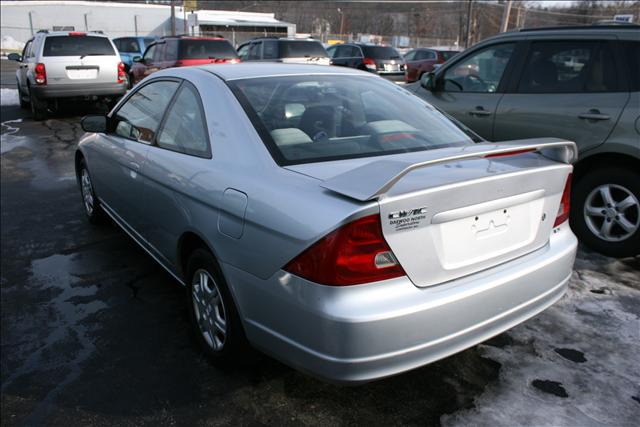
[446, 54]
[269, 49]
[569, 67]
[184, 129]
[633, 60]
[77, 46]
[301, 49]
[380, 52]
[140, 115]
[206, 49]
[128, 45]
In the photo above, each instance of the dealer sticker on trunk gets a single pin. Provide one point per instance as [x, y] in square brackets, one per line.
[407, 219]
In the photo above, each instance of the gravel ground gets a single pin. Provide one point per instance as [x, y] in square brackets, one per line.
[94, 333]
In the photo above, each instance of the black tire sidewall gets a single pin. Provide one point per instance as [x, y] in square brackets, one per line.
[581, 189]
[38, 107]
[235, 341]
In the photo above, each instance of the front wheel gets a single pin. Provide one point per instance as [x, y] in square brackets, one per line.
[605, 211]
[90, 202]
[212, 312]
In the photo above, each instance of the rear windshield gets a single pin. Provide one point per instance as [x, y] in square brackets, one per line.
[380, 52]
[301, 49]
[305, 119]
[77, 46]
[206, 49]
[446, 54]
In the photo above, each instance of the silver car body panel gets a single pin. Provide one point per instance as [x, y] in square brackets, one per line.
[256, 216]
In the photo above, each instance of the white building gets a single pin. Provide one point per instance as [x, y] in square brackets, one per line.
[19, 20]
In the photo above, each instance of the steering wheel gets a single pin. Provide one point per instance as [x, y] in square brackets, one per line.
[472, 79]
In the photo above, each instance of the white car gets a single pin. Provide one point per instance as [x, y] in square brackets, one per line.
[68, 64]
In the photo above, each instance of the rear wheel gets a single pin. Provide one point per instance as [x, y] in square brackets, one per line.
[38, 107]
[212, 312]
[605, 211]
[21, 97]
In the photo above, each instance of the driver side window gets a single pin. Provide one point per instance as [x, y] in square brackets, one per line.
[148, 55]
[480, 72]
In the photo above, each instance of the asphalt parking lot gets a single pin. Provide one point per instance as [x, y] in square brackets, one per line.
[94, 332]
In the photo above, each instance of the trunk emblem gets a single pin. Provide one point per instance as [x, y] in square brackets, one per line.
[407, 213]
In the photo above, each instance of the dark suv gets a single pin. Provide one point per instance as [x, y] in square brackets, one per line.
[576, 83]
[383, 60]
[182, 51]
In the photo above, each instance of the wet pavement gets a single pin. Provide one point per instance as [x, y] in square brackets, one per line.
[94, 332]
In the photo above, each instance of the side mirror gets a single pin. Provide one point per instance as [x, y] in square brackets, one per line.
[14, 57]
[94, 123]
[428, 81]
[137, 58]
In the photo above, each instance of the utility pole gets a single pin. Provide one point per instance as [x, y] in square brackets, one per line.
[505, 16]
[173, 18]
[467, 40]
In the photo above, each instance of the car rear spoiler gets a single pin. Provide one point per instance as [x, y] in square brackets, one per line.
[373, 180]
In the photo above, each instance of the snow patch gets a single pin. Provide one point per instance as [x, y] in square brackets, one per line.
[604, 326]
[9, 43]
[9, 97]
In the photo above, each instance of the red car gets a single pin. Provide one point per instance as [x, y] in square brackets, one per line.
[182, 51]
[422, 60]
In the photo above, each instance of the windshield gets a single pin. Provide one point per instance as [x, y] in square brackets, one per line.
[301, 49]
[380, 52]
[306, 119]
[206, 49]
[77, 46]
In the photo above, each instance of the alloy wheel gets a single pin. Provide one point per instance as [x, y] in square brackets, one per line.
[87, 192]
[209, 309]
[612, 212]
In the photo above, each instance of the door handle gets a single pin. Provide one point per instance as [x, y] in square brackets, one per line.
[479, 111]
[135, 166]
[594, 114]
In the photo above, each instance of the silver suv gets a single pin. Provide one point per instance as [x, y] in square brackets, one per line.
[64, 64]
[577, 83]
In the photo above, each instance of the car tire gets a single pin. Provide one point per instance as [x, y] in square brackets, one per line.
[212, 312]
[610, 227]
[91, 204]
[38, 107]
[24, 104]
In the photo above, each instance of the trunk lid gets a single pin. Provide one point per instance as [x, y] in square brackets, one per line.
[463, 213]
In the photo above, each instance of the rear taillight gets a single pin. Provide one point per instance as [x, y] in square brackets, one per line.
[40, 74]
[122, 75]
[234, 61]
[565, 201]
[355, 253]
[369, 63]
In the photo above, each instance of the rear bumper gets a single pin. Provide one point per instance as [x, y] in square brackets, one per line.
[79, 90]
[360, 333]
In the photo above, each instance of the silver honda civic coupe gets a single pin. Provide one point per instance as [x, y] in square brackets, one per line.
[328, 217]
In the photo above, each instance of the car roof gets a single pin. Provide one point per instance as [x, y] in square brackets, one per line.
[250, 70]
[618, 30]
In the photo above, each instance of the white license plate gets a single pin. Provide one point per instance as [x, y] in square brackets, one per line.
[89, 73]
[391, 67]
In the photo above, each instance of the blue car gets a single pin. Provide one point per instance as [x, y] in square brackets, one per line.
[129, 48]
